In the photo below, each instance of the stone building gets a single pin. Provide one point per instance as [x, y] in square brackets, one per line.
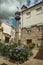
[7, 33]
[29, 26]
[32, 24]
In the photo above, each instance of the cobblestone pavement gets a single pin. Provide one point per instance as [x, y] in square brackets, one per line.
[31, 61]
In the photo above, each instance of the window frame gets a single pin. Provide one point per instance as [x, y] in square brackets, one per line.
[39, 10]
[28, 14]
[40, 28]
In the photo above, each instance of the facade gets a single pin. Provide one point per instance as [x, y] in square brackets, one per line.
[32, 24]
[7, 33]
[29, 26]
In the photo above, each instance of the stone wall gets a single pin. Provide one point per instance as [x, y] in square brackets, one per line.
[34, 34]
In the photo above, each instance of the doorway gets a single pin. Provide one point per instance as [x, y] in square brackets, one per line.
[7, 39]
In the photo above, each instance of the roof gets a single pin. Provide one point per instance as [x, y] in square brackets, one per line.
[24, 6]
[31, 6]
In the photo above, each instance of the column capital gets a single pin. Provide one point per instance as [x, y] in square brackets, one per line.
[17, 15]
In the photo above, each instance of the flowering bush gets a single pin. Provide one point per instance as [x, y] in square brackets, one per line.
[16, 52]
[19, 48]
[19, 53]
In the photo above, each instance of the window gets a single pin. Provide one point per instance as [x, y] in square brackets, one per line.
[41, 28]
[6, 39]
[29, 41]
[39, 10]
[28, 30]
[40, 42]
[28, 14]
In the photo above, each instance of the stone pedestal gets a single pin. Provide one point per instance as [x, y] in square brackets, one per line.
[17, 17]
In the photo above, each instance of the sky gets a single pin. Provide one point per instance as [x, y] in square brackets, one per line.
[9, 7]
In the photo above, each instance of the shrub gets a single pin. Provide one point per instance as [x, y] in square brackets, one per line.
[1, 47]
[5, 50]
[14, 45]
[31, 46]
[19, 53]
[15, 51]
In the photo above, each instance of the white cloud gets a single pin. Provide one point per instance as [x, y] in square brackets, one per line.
[9, 7]
[32, 2]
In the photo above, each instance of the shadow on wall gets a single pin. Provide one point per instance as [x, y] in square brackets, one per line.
[40, 53]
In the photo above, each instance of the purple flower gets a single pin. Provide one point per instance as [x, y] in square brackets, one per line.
[19, 48]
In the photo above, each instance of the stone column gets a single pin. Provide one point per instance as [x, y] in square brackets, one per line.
[17, 17]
